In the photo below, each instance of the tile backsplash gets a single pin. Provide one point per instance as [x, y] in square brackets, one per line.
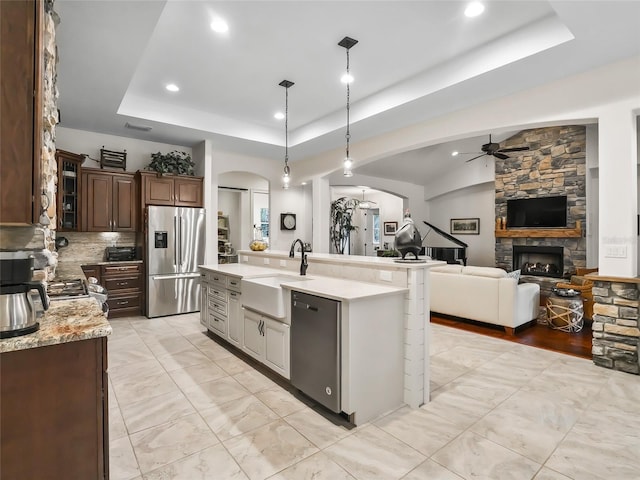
[87, 248]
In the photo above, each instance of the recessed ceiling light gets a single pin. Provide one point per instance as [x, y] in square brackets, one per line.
[346, 78]
[454, 153]
[172, 87]
[218, 25]
[474, 9]
[303, 183]
[278, 115]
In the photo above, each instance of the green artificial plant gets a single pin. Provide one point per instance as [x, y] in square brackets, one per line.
[174, 162]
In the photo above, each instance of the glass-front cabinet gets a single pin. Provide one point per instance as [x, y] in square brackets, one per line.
[68, 200]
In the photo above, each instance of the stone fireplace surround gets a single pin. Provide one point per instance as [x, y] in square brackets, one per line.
[555, 164]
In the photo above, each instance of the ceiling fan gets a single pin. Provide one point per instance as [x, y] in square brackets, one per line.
[495, 150]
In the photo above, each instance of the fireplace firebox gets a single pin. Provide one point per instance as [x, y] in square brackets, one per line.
[541, 261]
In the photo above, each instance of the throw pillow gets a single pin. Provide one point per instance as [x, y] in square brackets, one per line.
[515, 274]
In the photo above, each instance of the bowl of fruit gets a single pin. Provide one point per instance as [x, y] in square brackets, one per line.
[258, 245]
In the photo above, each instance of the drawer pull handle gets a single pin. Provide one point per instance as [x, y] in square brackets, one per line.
[123, 303]
[120, 284]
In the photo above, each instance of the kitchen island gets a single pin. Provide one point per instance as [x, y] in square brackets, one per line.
[359, 279]
[53, 409]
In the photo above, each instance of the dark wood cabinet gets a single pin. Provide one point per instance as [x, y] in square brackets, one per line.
[68, 196]
[108, 201]
[188, 192]
[21, 65]
[123, 281]
[172, 190]
[54, 412]
[92, 271]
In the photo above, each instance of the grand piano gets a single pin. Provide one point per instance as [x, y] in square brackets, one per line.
[447, 254]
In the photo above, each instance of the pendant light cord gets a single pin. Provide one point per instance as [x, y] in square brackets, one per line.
[348, 135]
[286, 128]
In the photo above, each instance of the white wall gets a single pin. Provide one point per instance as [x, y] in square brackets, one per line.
[477, 201]
[138, 151]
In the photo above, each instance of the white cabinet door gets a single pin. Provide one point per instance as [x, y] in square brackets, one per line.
[253, 340]
[277, 336]
[204, 301]
[234, 324]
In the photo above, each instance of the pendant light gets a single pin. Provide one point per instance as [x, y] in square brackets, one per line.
[366, 204]
[347, 43]
[286, 176]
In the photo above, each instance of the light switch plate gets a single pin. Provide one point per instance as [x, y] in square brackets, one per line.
[615, 251]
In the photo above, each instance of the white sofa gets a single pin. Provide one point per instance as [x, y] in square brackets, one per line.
[485, 294]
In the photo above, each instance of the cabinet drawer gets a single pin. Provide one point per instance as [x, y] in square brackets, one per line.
[233, 283]
[120, 269]
[219, 294]
[218, 279]
[124, 301]
[217, 307]
[122, 283]
[217, 323]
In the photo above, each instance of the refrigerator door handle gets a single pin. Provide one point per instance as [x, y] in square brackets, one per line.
[181, 246]
[173, 277]
[176, 242]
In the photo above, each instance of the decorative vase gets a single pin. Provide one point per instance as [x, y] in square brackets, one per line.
[408, 239]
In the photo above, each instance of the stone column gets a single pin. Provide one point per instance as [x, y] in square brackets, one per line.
[616, 333]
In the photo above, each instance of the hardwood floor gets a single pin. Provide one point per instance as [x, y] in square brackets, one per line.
[577, 344]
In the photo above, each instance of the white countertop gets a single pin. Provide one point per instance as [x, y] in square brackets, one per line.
[329, 287]
[380, 262]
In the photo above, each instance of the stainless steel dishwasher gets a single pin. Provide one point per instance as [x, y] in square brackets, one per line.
[315, 348]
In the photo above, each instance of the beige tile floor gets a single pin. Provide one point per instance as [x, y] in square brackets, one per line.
[182, 406]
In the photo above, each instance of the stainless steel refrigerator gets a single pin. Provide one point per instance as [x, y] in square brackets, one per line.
[175, 248]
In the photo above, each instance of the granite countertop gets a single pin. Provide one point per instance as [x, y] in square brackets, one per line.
[65, 321]
[114, 261]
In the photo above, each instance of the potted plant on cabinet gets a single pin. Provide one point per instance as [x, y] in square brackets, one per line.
[342, 211]
[175, 162]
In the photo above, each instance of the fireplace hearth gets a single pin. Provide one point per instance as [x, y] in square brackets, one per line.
[540, 261]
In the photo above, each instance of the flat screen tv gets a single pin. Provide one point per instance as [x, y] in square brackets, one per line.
[543, 212]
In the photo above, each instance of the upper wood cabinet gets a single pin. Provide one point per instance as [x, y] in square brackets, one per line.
[68, 195]
[108, 201]
[21, 68]
[173, 190]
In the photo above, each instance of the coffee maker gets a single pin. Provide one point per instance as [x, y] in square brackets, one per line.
[17, 310]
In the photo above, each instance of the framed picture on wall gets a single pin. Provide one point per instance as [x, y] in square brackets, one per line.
[465, 226]
[390, 228]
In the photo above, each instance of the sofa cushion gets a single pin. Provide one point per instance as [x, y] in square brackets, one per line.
[457, 268]
[490, 272]
[515, 274]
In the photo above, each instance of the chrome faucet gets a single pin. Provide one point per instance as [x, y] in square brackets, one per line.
[303, 263]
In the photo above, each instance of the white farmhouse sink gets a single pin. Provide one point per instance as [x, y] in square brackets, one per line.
[265, 294]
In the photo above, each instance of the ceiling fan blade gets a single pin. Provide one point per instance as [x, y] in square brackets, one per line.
[501, 156]
[471, 159]
[513, 149]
